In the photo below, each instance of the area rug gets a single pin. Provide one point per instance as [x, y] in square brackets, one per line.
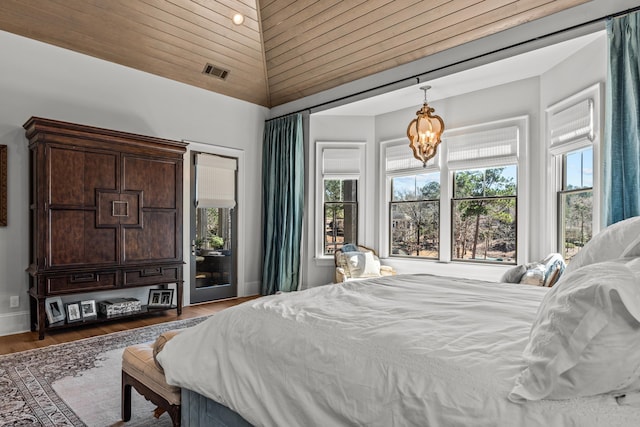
[76, 383]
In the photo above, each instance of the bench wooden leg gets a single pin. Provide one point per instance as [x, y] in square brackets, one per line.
[128, 381]
[126, 397]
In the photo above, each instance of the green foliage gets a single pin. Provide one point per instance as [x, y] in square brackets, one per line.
[216, 242]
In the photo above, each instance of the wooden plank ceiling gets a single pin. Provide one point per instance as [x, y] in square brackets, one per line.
[284, 50]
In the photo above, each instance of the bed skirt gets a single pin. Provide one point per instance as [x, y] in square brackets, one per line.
[200, 411]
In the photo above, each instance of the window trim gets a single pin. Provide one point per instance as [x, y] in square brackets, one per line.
[320, 177]
[555, 155]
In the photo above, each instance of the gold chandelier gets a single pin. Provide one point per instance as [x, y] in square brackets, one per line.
[424, 131]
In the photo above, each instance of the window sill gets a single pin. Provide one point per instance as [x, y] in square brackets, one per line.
[469, 270]
[324, 261]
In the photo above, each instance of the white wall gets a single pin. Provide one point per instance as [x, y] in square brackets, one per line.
[525, 97]
[37, 79]
[583, 69]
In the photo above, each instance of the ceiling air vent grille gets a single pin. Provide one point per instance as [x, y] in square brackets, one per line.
[218, 72]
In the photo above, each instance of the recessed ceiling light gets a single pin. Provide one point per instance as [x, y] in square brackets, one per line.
[238, 19]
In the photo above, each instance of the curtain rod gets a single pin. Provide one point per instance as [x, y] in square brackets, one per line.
[417, 77]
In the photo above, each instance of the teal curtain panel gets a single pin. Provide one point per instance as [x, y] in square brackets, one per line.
[622, 124]
[283, 198]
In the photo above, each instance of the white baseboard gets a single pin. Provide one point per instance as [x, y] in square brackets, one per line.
[14, 323]
[250, 288]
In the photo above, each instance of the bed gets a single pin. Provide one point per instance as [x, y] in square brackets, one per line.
[423, 350]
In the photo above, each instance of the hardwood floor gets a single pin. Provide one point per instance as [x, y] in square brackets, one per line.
[29, 340]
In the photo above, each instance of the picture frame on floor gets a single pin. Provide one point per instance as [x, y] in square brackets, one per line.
[55, 310]
[74, 312]
[160, 298]
[88, 309]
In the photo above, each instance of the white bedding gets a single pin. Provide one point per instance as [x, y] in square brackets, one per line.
[407, 350]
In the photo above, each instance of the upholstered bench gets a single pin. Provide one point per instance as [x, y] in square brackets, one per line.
[140, 371]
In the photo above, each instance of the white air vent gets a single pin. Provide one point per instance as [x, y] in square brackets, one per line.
[218, 72]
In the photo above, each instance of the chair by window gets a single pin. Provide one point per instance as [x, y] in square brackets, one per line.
[355, 262]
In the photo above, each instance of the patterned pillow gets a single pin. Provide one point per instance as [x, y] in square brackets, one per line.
[545, 272]
[534, 274]
[554, 267]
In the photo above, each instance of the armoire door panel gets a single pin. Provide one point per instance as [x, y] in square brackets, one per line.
[75, 175]
[150, 242]
[74, 240]
[155, 178]
[104, 214]
[130, 208]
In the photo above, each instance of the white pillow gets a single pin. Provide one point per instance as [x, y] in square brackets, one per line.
[585, 339]
[633, 250]
[363, 264]
[608, 244]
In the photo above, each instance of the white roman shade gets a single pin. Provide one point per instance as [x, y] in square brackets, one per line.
[215, 181]
[343, 161]
[572, 123]
[400, 157]
[486, 148]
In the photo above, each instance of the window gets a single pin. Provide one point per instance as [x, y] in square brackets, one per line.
[573, 140]
[463, 206]
[576, 201]
[340, 213]
[415, 215]
[484, 214]
[339, 186]
[483, 161]
[413, 195]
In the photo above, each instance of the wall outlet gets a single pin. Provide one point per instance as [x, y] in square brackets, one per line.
[14, 301]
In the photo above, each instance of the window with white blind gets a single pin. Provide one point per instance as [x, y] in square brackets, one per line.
[463, 206]
[339, 184]
[414, 203]
[573, 137]
[484, 167]
[216, 182]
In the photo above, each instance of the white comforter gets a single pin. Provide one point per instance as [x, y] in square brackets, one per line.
[409, 350]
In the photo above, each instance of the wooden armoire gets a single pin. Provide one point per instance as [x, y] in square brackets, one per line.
[105, 214]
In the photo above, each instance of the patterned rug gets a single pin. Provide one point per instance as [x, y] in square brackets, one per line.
[27, 391]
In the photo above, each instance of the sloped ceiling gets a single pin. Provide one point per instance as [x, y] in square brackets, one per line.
[284, 50]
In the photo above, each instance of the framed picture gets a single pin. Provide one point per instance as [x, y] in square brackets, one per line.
[160, 298]
[54, 309]
[88, 309]
[73, 312]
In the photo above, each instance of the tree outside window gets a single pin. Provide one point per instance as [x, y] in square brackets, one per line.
[415, 215]
[576, 201]
[484, 215]
[340, 213]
